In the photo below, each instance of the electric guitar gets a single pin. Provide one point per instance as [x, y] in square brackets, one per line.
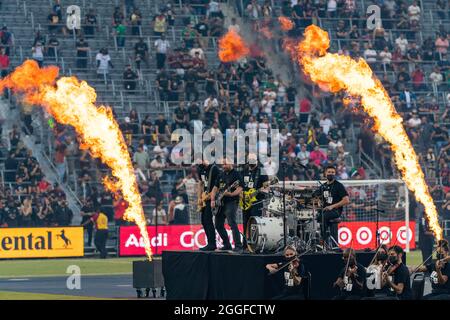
[248, 198]
[205, 196]
[219, 197]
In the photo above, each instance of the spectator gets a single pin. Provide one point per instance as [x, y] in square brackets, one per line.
[414, 12]
[326, 123]
[441, 44]
[60, 161]
[119, 33]
[189, 34]
[159, 216]
[370, 55]
[386, 58]
[157, 164]
[129, 79]
[180, 213]
[214, 10]
[120, 206]
[136, 22]
[6, 39]
[52, 46]
[38, 54]
[159, 24]
[118, 17]
[86, 213]
[103, 63]
[332, 8]
[55, 24]
[82, 53]
[141, 53]
[90, 23]
[26, 212]
[162, 47]
[141, 158]
[402, 43]
[63, 215]
[4, 62]
[418, 79]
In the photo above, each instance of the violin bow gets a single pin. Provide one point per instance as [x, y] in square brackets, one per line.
[287, 263]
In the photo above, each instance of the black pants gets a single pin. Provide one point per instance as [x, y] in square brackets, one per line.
[208, 226]
[228, 211]
[253, 211]
[100, 242]
[160, 60]
[325, 224]
[426, 245]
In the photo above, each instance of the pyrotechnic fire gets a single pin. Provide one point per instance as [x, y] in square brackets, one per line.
[72, 103]
[285, 23]
[266, 32]
[338, 73]
[232, 47]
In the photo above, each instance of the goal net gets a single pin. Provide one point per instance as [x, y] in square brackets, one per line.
[373, 203]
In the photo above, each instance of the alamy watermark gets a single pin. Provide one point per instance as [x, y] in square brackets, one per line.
[73, 281]
[236, 146]
[374, 20]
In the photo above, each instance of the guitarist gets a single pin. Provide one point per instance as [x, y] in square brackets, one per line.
[209, 174]
[230, 205]
[253, 179]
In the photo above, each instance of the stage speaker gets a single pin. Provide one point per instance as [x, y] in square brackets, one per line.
[147, 274]
[418, 285]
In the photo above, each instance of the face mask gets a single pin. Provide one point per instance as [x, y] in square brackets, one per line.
[330, 177]
[439, 256]
[382, 256]
[392, 259]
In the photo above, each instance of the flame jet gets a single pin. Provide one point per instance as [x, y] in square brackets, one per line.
[338, 72]
[72, 102]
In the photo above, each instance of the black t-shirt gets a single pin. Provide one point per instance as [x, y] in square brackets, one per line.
[140, 48]
[352, 288]
[436, 287]
[163, 81]
[333, 193]
[289, 286]
[161, 124]
[253, 178]
[129, 75]
[226, 179]
[180, 113]
[194, 112]
[401, 275]
[202, 28]
[204, 174]
[82, 45]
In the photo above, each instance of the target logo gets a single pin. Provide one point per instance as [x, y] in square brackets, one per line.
[364, 235]
[385, 235]
[401, 234]
[344, 236]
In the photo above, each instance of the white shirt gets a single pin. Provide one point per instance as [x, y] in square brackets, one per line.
[215, 103]
[326, 125]
[335, 145]
[38, 53]
[303, 157]
[332, 6]
[414, 122]
[402, 44]
[104, 62]
[162, 46]
[414, 12]
[436, 77]
[385, 57]
[370, 55]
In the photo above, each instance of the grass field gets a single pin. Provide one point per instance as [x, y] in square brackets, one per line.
[58, 267]
[11, 295]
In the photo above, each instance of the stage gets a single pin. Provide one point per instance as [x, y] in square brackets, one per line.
[196, 275]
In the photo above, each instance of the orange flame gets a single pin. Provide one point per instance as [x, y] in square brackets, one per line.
[266, 32]
[232, 47]
[343, 73]
[285, 23]
[73, 103]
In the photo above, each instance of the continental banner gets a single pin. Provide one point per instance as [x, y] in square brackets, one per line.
[41, 242]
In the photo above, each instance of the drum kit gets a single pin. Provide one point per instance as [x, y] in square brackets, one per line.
[299, 207]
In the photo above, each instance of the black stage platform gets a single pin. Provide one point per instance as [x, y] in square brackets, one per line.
[219, 276]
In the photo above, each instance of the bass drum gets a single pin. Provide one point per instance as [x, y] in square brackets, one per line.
[264, 234]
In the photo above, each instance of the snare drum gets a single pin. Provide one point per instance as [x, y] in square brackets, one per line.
[264, 233]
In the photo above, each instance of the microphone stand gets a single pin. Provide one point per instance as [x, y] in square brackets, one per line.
[283, 166]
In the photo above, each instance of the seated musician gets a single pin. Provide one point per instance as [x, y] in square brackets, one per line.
[439, 273]
[374, 273]
[396, 277]
[294, 275]
[335, 197]
[351, 280]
